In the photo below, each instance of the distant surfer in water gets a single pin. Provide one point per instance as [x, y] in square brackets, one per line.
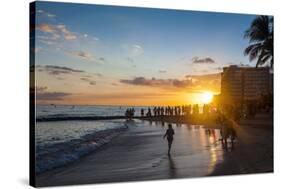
[170, 136]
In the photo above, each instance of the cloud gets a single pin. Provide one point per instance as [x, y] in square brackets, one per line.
[40, 11]
[87, 56]
[125, 95]
[206, 60]
[90, 75]
[133, 50]
[47, 42]
[190, 82]
[47, 28]
[51, 95]
[206, 81]
[44, 13]
[204, 76]
[90, 81]
[57, 70]
[56, 31]
[136, 50]
[51, 15]
[95, 38]
[157, 82]
[101, 60]
[66, 33]
[82, 54]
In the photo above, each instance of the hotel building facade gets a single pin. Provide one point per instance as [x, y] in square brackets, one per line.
[244, 84]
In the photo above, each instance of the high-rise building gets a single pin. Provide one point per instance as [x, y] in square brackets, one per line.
[244, 84]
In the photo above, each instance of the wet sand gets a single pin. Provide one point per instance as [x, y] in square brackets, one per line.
[253, 152]
[141, 154]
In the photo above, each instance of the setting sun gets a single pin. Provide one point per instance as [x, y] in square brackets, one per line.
[206, 97]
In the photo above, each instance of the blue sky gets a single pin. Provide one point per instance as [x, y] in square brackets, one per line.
[113, 44]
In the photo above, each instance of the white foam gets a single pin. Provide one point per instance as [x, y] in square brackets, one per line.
[55, 155]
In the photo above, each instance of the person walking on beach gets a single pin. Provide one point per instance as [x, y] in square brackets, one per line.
[170, 136]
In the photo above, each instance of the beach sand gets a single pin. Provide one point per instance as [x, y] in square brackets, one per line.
[253, 152]
[140, 153]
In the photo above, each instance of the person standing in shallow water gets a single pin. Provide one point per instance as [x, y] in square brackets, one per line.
[170, 136]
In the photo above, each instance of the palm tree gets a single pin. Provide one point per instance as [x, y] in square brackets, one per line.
[260, 35]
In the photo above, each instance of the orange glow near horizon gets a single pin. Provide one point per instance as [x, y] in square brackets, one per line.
[127, 99]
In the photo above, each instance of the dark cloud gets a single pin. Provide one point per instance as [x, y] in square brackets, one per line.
[88, 80]
[51, 95]
[190, 82]
[182, 83]
[87, 56]
[157, 82]
[206, 60]
[57, 70]
[82, 54]
[102, 59]
[132, 95]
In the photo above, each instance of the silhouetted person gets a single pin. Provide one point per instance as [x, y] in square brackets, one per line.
[233, 136]
[170, 136]
[142, 112]
[148, 114]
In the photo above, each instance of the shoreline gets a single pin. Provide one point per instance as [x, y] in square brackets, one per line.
[140, 154]
[199, 119]
[253, 153]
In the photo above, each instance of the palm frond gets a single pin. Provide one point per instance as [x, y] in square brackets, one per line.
[260, 35]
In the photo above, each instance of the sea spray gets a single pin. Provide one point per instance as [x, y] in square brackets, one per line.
[50, 156]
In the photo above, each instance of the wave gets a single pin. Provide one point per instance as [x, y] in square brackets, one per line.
[50, 156]
[80, 118]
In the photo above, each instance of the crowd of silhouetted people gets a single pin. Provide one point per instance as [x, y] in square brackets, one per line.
[224, 116]
[157, 111]
[129, 113]
[174, 110]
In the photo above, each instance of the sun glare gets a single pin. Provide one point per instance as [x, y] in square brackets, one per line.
[206, 97]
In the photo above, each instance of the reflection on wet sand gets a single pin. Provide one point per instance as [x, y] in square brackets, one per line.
[196, 140]
[141, 153]
[172, 167]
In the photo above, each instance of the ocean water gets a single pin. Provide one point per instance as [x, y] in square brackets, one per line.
[61, 142]
[57, 111]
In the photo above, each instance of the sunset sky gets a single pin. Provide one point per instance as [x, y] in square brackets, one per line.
[106, 55]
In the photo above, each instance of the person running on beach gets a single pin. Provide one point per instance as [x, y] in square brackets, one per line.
[169, 134]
